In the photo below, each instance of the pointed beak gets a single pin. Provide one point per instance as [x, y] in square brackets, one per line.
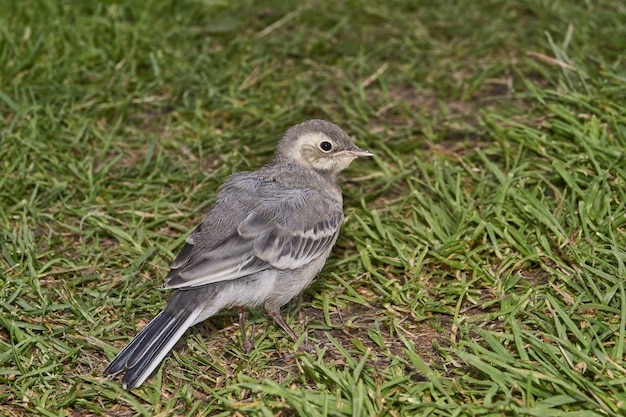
[359, 153]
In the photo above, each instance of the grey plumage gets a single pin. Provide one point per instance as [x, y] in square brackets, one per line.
[263, 242]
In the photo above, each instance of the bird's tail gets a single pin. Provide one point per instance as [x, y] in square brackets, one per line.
[144, 353]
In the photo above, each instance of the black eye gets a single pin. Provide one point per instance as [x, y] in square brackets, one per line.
[326, 146]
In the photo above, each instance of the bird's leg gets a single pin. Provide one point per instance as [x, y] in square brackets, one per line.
[275, 314]
[247, 343]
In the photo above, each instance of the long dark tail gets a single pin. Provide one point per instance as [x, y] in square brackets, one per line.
[144, 353]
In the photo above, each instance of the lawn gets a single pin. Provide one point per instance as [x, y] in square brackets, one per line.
[481, 268]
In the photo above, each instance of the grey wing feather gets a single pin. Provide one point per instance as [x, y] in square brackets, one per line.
[296, 242]
[233, 259]
[265, 227]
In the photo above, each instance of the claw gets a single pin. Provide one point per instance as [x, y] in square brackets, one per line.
[247, 343]
[275, 314]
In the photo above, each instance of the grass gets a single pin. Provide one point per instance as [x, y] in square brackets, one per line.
[481, 267]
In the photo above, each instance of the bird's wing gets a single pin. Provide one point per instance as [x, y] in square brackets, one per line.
[290, 233]
[270, 227]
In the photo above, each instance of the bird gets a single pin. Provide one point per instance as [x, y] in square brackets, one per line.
[262, 243]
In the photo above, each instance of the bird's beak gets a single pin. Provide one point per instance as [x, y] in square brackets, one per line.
[359, 153]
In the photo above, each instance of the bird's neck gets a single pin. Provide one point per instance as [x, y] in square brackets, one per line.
[299, 176]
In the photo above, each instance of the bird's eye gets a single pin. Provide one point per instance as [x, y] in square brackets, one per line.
[326, 146]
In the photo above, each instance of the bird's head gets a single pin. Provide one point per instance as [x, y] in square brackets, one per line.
[320, 145]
